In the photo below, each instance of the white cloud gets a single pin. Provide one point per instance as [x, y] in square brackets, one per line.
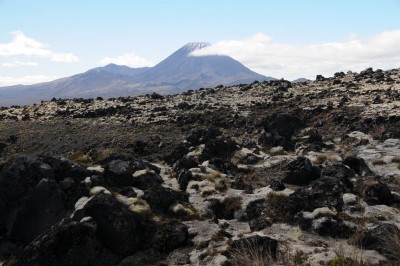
[21, 45]
[264, 55]
[128, 59]
[25, 80]
[18, 63]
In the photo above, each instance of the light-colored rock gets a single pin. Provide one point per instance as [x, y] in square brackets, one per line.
[97, 190]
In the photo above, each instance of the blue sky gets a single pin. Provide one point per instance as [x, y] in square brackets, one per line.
[62, 38]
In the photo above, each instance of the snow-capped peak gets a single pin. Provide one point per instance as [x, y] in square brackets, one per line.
[193, 46]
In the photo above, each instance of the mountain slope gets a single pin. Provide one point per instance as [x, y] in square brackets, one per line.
[177, 73]
[183, 70]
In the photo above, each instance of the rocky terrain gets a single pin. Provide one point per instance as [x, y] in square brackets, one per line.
[268, 173]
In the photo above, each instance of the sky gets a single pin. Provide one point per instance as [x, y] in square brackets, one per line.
[43, 40]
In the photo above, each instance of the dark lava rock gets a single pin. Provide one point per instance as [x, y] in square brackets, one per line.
[185, 163]
[277, 185]
[384, 238]
[219, 147]
[300, 172]
[169, 235]
[183, 106]
[2, 147]
[201, 136]
[68, 243]
[260, 223]
[176, 154]
[392, 130]
[279, 129]
[142, 165]
[224, 166]
[184, 177]
[335, 228]
[367, 72]
[226, 208]
[320, 78]
[118, 228]
[358, 165]
[339, 171]
[161, 198]
[327, 192]
[145, 179]
[21, 173]
[38, 210]
[3, 217]
[323, 192]
[251, 159]
[63, 168]
[377, 193]
[119, 173]
[255, 209]
[128, 192]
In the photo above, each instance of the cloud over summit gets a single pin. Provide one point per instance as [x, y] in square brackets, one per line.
[267, 56]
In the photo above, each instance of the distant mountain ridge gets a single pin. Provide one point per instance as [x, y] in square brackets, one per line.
[177, 73]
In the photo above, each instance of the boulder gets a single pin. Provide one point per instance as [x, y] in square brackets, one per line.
[169, 235]
[162, 198]
[65, 244]
[260, 223]
[43, 206]
[176, 154]
[201, 136]
[119, 173]
[376, 193]
[384, 238]
[185, 163]
[323, 192]
[340, 172]
[224, 166]
[277, 185]
[219, 147]
[300, 172]
[21, 173]
[2, 147]
[226, 208]
[118, 228]
[279, 130]
[358, 165]
[63, 168]
[145, 179]
[327, 192]
[184, 177]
